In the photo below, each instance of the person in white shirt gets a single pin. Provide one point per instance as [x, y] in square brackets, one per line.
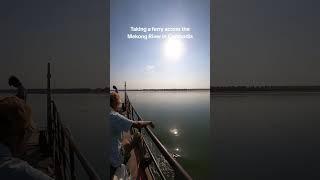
[15, 123]
[120, 124]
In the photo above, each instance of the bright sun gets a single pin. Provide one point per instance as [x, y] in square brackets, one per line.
[173, 49]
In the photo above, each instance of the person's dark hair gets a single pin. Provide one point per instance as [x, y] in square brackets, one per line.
[13, 81]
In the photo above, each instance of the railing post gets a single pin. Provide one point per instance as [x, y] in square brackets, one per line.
[49, 113]
[125, 93]
[132, 117]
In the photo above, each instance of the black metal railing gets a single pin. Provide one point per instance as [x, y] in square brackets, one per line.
[179, 171]
[62, 146]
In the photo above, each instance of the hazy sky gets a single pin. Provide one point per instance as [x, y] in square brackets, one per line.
[145, 63]
[73, 32]
[266, 42]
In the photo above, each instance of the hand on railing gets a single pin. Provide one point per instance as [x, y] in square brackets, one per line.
[151, 125]
[142, 124]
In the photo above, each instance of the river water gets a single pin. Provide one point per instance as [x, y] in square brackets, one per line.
[266, 136]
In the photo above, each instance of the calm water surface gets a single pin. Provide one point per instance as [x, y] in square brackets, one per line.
[182, 121]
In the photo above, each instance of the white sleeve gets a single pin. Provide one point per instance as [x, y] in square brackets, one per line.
[124, 123]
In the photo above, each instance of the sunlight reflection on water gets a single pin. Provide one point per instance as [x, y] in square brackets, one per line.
[174, 131]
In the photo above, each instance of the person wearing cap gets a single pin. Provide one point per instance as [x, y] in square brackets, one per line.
[15, 127]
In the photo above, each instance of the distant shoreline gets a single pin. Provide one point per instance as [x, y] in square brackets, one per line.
[165, 90]
[264, 89]
[220, 90]
[89, 91]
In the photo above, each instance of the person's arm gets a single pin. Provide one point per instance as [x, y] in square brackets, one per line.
[142, 124]
[124, 124]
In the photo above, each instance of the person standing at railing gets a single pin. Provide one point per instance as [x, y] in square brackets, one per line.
[21, 91]
[15, 128]
[120, 124]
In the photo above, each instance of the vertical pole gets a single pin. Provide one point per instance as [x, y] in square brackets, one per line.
[49, 107]
[125, 89]
[132, 113]
[125, 97]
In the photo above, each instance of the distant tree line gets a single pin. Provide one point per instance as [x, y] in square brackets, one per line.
[263, 88]
[88, 90]
[165, 89]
